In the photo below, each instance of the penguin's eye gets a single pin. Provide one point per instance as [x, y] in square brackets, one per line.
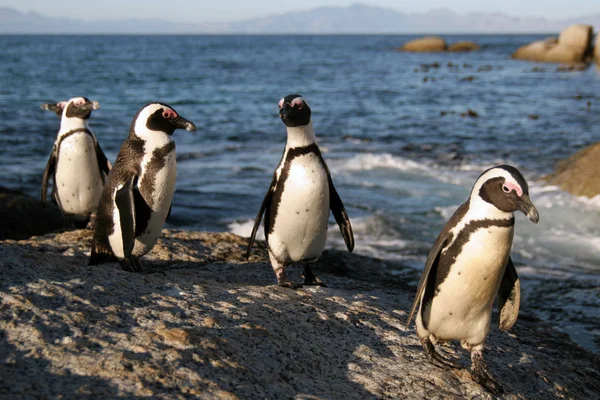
[505, 189]
[169, 114]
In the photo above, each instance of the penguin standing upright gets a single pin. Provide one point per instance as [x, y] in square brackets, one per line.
[137, 197]
[77, 164]
[469, 266]
[297, 204]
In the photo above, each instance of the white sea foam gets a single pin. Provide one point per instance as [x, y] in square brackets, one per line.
[368, 161]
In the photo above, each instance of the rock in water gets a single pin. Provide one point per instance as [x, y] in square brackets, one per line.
[597, 51]
[464, 46]
[579, 173]
[430, 44]
[572, 46]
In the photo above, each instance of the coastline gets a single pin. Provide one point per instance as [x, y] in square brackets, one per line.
[202, 321]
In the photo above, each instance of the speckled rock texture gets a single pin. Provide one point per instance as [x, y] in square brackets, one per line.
[202, 322]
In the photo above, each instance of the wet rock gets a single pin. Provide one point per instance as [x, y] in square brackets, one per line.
[485, 68]
[533, 116]
[429, 44]
[572, 46]
[23, 216]
[469, 113]
[579, 173]
[464, 46]
[469, 78]
[201, 321]
[572, 67]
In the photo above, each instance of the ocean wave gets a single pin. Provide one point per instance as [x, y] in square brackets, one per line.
[369, 161]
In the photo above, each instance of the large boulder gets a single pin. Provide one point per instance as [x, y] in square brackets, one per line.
[580, 173]
[464, 46]
[204, 322]
[597, 50]
[572, 46]
[430, 44]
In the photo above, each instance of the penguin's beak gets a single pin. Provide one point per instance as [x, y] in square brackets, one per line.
[526, 207]
[182, 123]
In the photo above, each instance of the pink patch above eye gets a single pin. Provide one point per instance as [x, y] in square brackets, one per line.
[168, 114]
[298, 101]
[511, 186]
[281, 103]
[79, 102]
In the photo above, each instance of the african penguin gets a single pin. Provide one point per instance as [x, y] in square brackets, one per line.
[297, 204]
[469, 266]
[77, 164]
[136, 200]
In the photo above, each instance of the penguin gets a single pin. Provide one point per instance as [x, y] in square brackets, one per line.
[136, 200]
[469, 266]
[297, 204]
[77, 164]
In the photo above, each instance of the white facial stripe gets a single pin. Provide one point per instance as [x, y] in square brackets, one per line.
[495, 173]
[153, 138]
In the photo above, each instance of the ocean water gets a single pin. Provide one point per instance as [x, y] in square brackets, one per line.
[400, 153]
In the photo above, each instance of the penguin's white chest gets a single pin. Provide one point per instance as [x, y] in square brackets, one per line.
[157, 186]
[300, 226]
[78, 180]
[462, 307]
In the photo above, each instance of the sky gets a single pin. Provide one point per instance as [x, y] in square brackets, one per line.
[230, 10]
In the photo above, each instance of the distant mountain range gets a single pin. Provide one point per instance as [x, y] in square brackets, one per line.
[358, 18]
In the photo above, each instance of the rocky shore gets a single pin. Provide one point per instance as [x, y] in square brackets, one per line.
[201, 321]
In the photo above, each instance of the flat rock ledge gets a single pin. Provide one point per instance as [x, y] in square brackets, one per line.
[202, 322]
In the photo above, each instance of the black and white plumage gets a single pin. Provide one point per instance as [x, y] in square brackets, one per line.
[469, 266]
[297, 204]
[137, 197]
[77, 164]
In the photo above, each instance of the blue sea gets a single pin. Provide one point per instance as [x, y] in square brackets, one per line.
[389, 123]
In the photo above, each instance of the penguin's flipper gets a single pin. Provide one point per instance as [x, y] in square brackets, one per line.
[103, 162]
[125, 203]
[428, 278]
[430, 271]
[49, 171]
[264, 206]
[340, 215]
[509, 297]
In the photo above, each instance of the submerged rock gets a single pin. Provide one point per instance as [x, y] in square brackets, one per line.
[464, 46]
[201, 321]
[573, 45]
[429, 44]
[22, 216]
[580, 173]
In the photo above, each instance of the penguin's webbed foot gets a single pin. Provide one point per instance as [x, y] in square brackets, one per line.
[310, 279]
[481, 375]
[131, 264]
[436, 358]
[283, 280]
